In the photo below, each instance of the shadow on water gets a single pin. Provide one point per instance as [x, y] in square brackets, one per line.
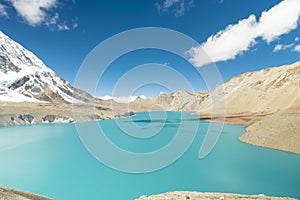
[166, 123]
[160, 121]
[146, 121]
[172, 125]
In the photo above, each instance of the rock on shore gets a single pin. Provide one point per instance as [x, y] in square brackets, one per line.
[207, 196]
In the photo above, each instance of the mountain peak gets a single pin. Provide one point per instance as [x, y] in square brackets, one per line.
[24, 77]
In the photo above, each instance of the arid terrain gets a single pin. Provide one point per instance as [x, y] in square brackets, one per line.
[280, 130]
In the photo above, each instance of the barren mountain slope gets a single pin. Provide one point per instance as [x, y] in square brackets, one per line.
[177, 101]
[264, 91]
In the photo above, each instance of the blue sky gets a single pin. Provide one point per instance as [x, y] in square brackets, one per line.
[239, 36]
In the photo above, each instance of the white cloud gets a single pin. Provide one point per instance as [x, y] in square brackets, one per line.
[75, 25]
[38, 12]
[297, 39]
[170, 3]
[240, 37]
[178, 7]
[279, 20]
[65, 27]
[226, 44]
[3, 10]
[297, 48]
[52, 20]
[34, 12]
[281, 47]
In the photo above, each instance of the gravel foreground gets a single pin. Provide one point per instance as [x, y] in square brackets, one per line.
[12, 194]
[207, 196]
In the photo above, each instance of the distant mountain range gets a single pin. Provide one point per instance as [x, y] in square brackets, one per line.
[123, 99]
[264, 91]
[267, 101]
[176, 101]
[25, 78]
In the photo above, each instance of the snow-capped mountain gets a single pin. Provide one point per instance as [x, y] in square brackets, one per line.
[25, 78]
[124, 99]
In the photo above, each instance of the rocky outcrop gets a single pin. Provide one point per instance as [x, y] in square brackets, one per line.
[57, 119]
[125, 114]
[26, 118]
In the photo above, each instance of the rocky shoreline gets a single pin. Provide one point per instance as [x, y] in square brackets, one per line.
[12, 194]
[259, 128]
[13, 114]
[278, 130]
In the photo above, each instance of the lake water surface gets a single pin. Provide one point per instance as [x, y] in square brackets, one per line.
[50, 159]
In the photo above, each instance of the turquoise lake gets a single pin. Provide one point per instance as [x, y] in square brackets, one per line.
[50, 160]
